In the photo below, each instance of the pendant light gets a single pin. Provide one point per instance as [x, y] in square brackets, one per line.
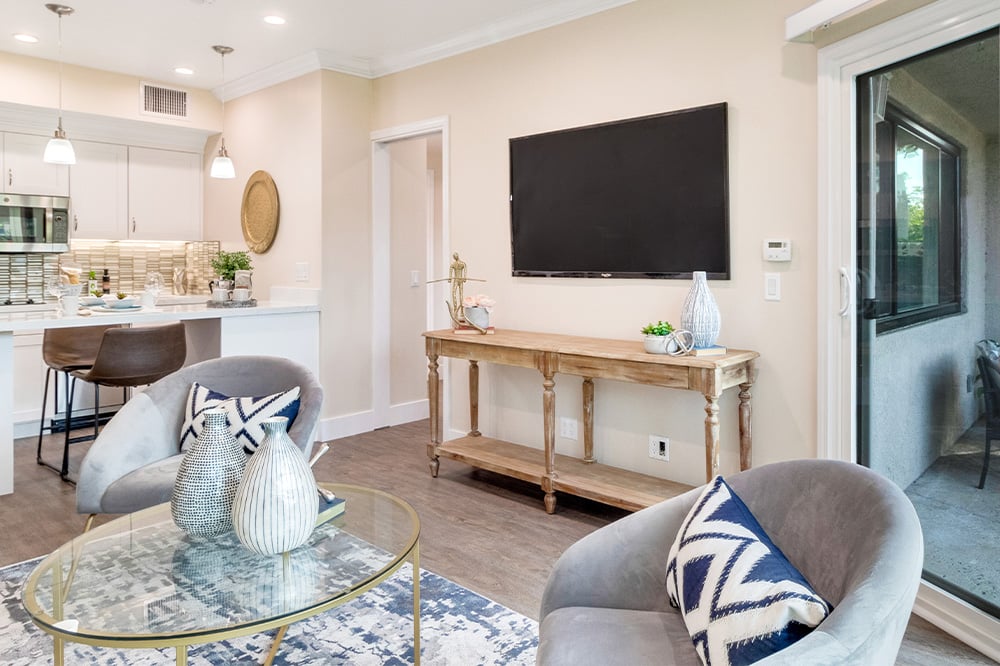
[222, 166]
[59, 150]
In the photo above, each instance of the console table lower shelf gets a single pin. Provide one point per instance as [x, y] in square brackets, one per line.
[602, 483]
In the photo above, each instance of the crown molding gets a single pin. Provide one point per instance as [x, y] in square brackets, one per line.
[493, 33]
[372, 68]
[27, 119]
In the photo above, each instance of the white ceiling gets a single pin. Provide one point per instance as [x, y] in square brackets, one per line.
[149, 38]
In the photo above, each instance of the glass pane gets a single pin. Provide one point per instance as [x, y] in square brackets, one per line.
[916, 249]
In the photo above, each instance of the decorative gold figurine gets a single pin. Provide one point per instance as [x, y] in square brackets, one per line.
[457, 277]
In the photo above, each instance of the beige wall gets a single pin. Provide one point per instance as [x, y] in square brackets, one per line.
[275, 130]
[646, 57]
[35, 82]
[346, 352]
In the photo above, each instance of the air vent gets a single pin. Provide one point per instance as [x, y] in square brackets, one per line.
[160, 101]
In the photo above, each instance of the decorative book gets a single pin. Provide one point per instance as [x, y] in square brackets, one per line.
[714, 350]
[329, 510]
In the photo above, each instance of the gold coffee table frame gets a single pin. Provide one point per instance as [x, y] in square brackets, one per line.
[371, 515]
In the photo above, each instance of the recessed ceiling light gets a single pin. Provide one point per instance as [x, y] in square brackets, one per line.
[27, 39]
[274, 20]
[186, 71]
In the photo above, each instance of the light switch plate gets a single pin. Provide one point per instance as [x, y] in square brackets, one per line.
[772, 286]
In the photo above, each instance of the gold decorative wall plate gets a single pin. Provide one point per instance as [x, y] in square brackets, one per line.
[259, 215]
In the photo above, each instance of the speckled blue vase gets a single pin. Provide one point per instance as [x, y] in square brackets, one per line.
[202, 500]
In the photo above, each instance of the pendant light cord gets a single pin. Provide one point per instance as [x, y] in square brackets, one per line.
[60, 70]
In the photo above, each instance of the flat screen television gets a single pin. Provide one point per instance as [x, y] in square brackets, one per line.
[645, 197]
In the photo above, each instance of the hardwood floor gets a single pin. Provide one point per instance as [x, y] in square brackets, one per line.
[481, 530]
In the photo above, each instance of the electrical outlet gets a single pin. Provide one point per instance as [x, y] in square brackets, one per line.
[567, 428]
[659, 447]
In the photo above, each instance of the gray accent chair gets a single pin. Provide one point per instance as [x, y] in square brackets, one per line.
[133, 462]
[852, 533]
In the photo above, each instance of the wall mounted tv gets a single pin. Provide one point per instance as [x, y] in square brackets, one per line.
[646, 197]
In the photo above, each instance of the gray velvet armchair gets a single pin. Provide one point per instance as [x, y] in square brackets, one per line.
[133, 462]
[852, 533]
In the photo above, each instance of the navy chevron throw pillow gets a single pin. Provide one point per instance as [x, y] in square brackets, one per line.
[740, 597]
[246, 415]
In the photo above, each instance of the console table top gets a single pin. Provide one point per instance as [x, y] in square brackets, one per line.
[609, 348]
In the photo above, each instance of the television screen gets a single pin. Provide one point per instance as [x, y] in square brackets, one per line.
[640, 198]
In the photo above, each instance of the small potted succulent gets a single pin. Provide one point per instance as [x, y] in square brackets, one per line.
[657, 338]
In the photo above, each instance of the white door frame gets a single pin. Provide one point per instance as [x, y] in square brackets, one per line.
[380, 140]
[838, 66]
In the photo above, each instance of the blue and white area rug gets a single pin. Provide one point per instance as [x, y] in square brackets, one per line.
[457, 627]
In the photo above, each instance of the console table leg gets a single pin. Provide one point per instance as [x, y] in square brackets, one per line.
[57, 651]
[182, 655]
[434, 405]
[548, 368]
[588, 420]
[711, 437]
[746, 434]
[474, 398]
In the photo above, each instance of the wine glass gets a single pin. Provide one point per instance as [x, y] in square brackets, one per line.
[154, 283]
[55, 287]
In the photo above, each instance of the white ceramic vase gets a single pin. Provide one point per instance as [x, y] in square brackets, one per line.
[276, 503]
[210, 471]
[700, 314]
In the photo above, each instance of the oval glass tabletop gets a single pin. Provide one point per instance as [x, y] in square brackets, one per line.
[140, 580]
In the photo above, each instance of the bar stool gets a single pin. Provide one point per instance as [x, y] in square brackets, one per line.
[130, 357]
[65, 350]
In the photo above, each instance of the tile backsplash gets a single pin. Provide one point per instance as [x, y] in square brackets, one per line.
[22, 276]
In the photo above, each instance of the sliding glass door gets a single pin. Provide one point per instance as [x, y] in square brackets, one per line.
[928, 288]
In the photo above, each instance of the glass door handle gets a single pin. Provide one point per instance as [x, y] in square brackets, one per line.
[845, 291]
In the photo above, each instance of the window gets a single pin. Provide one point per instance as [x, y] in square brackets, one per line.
[917, 236]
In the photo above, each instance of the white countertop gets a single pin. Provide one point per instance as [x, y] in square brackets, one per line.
[47, 316]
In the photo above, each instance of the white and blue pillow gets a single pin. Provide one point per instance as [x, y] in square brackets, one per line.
[245, 414]
[740, 597]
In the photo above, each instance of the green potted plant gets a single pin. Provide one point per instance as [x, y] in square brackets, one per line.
[657, 340]
[225, 264]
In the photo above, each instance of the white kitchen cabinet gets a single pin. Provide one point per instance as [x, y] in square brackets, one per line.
[99, 191]
[164, 201]
[24, 172]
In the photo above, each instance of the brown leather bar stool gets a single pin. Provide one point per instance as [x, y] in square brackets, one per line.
[130, 357]
[63, 351]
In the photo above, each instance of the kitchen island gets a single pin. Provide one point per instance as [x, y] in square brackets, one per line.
[272, 328]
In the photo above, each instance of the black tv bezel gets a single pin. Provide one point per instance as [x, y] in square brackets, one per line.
[658, 275]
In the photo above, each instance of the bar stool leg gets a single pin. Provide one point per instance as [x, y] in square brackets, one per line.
[71, 386]
[41, 420]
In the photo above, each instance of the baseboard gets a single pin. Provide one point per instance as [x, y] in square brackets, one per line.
[959, 619]
[408, 412]
[336, 427]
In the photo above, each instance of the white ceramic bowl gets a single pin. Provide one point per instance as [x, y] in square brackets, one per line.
[91, 300]
[115, 302]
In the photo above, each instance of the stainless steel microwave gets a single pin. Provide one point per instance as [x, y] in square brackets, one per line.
[33, 223]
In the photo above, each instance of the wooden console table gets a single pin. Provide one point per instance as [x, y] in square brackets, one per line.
[589, 358]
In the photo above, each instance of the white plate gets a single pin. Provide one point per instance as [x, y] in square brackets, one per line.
[105, 308]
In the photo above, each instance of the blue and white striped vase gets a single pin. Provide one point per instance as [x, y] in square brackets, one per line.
[700, 314]
[275, 506]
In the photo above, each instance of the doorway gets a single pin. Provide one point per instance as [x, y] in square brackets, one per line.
[409, 234]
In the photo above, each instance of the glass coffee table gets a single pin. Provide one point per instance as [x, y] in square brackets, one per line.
[139, 581]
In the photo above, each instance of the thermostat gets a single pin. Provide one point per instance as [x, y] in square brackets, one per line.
[776, 249]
